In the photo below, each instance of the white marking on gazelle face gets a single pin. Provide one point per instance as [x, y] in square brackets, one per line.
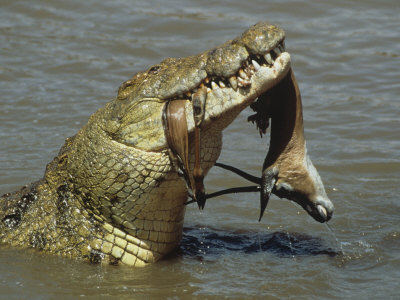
[302, 184]
[314, 175]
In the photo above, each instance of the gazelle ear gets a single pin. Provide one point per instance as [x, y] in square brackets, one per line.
[268, 180]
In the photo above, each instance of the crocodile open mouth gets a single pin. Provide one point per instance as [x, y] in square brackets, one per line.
[229, 78]
[242, 78]
[238, 85]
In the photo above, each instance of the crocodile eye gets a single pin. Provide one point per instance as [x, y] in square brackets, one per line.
[154, 70]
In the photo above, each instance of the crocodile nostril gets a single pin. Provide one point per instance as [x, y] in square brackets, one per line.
[154, 70]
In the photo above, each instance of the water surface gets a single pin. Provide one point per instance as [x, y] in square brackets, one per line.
[60, 61]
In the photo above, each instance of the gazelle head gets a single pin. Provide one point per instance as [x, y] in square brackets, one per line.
[288, 171]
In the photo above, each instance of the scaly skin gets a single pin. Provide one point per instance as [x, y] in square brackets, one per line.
[112, 194]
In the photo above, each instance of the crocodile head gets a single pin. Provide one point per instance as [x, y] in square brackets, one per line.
[234, 74]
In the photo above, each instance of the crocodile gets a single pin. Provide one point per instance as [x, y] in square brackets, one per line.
[114, 193]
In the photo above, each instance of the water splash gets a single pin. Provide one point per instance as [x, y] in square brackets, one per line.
[290, 245]
[336, 239]
[203, 242]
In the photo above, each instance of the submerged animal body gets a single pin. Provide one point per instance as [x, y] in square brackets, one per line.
[116, 192]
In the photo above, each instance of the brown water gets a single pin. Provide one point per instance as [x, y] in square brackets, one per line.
[61, 60]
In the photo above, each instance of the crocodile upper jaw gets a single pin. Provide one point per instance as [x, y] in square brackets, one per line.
[259, 78]
[234, 75]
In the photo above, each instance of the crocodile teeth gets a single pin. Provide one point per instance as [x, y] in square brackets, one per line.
[242, 74]
[243, 82]
[198, 102]
[214, 85]
[268, 58]
[233, 82]
[277, 51]
[222, 85]
[256, 65]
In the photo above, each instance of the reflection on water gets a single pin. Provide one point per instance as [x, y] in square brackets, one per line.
[60, 61]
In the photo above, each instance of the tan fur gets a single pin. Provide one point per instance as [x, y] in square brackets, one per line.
[296, 177]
